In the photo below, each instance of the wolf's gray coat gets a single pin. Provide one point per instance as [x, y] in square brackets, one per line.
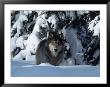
[44, 56]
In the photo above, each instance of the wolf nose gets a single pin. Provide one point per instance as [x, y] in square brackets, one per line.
[55, 50]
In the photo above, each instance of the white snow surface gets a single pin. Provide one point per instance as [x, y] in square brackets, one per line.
[24, 69]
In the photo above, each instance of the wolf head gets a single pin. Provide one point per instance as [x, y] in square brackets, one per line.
[55, 43]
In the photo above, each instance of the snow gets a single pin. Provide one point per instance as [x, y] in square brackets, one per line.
[13, 43]
[32, 42]
[74, 44]
[71, 39]
[23, 69]
[97, 53]
[81, 12]
[94, 25]
[40, 21]
[45, 64]
[19, 23]
[20, 42]
[71, 15]
[27, 12]
[54, 21]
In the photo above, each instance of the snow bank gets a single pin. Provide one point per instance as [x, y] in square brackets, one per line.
[23, 69]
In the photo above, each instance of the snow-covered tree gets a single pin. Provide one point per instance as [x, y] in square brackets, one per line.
[81, 31]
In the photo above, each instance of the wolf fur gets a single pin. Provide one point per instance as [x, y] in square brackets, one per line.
[51, 50]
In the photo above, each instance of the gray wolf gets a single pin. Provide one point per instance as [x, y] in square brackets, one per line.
[51, 50]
